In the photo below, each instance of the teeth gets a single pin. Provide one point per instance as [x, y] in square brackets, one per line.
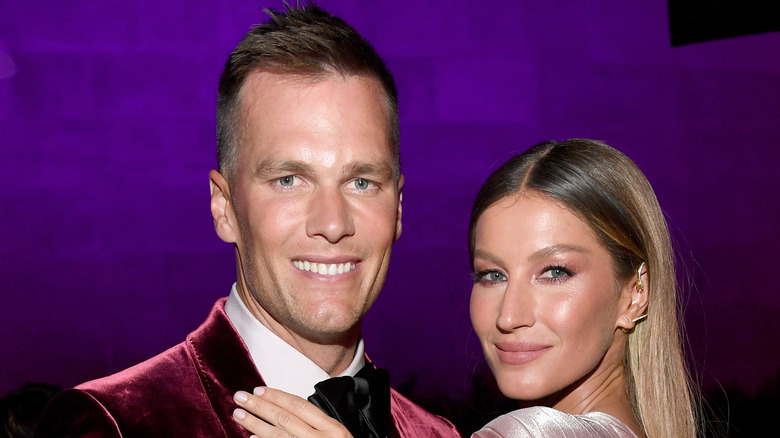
[324, 268]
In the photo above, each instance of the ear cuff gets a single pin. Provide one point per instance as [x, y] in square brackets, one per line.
[640, 287]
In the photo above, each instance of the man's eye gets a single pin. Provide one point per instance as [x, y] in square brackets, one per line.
[286, 181]
[362, 184]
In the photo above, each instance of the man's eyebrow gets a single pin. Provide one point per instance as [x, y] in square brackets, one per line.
[554, 250]
[272, 166]
[380, 171]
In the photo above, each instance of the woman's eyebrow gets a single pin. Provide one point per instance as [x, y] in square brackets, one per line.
[484, 255]
[554, 250]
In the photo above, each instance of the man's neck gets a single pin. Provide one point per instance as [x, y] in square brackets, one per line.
[281, 365]
[332, 353]
[332, 359]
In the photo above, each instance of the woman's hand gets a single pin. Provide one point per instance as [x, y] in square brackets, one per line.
[270, 413]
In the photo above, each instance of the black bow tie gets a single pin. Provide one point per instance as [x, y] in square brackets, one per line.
[360, 403]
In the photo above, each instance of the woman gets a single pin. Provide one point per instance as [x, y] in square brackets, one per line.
[574, 301]
[581, 313]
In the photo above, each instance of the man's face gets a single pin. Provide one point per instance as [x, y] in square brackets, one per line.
[314, 201]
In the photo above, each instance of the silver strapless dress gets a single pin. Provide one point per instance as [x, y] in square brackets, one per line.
[539, 421]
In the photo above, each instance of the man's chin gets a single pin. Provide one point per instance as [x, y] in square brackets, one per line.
[333, 327]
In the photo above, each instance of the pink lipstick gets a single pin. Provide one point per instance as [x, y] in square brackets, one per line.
[517, 353]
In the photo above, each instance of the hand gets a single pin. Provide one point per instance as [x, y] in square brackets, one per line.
[270, 413]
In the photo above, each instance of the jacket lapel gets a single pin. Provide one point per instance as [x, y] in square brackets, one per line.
[224, 365]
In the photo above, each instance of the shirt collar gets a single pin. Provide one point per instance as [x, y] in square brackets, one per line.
[280, 364]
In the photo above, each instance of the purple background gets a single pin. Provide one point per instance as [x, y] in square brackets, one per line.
[107, 135]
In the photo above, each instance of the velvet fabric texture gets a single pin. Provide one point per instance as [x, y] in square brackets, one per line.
[188, 391]
[540, 421]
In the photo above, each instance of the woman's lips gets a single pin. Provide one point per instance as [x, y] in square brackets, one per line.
[517, 353]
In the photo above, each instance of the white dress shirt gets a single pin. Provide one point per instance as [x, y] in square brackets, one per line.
[279, 363]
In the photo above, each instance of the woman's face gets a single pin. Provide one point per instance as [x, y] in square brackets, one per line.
[545, 303]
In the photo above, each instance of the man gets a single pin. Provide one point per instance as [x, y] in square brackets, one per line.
[309, 193]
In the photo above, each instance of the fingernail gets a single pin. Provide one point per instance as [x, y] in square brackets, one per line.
[240, 397]
[239, 413]
[259, 390]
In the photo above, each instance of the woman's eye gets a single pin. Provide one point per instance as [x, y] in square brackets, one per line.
[555, 273]
[286, 181]
[362, 184]
[489, 276]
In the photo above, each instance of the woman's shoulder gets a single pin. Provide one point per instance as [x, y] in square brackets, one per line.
[540, 421]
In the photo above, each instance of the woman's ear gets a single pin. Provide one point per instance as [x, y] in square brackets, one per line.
[222, 208]
[637, 290]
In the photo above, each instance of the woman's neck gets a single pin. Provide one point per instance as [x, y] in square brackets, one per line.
[602, 390]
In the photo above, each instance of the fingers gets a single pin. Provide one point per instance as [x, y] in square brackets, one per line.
[271, 413]
[267, 414]
[256, 426]
[298, 407]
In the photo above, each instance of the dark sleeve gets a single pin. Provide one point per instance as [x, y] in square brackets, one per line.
[75, 413]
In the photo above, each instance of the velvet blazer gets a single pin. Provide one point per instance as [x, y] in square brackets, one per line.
[188, 391]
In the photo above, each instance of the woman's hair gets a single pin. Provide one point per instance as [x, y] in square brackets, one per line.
[607, 190]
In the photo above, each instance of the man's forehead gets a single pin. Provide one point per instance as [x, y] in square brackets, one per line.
[265, 78]
[266, 94]
[278, 119]
[262, 81]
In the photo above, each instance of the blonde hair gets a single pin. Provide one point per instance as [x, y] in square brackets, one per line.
[609, 192]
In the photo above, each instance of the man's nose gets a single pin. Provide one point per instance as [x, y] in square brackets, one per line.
[517, 308]
[330, 215]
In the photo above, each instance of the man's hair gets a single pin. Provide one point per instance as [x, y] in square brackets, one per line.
[306, 42]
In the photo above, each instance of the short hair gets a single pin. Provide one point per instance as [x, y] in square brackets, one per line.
[605, 189]
[304, 41]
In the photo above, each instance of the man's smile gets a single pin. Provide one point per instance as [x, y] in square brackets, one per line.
[324, 268]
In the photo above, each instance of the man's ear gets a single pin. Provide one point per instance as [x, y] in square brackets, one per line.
[398, 226]
[222, 209]
[637, 289]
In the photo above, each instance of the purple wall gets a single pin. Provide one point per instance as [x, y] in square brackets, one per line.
[107, 251]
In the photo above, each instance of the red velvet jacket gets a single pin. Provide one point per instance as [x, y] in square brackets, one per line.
[188, 391]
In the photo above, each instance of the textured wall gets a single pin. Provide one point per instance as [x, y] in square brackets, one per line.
[108, 255]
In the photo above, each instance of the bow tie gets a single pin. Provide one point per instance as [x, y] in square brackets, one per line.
[360, 403]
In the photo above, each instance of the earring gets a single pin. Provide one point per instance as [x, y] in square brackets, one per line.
[639, 285]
